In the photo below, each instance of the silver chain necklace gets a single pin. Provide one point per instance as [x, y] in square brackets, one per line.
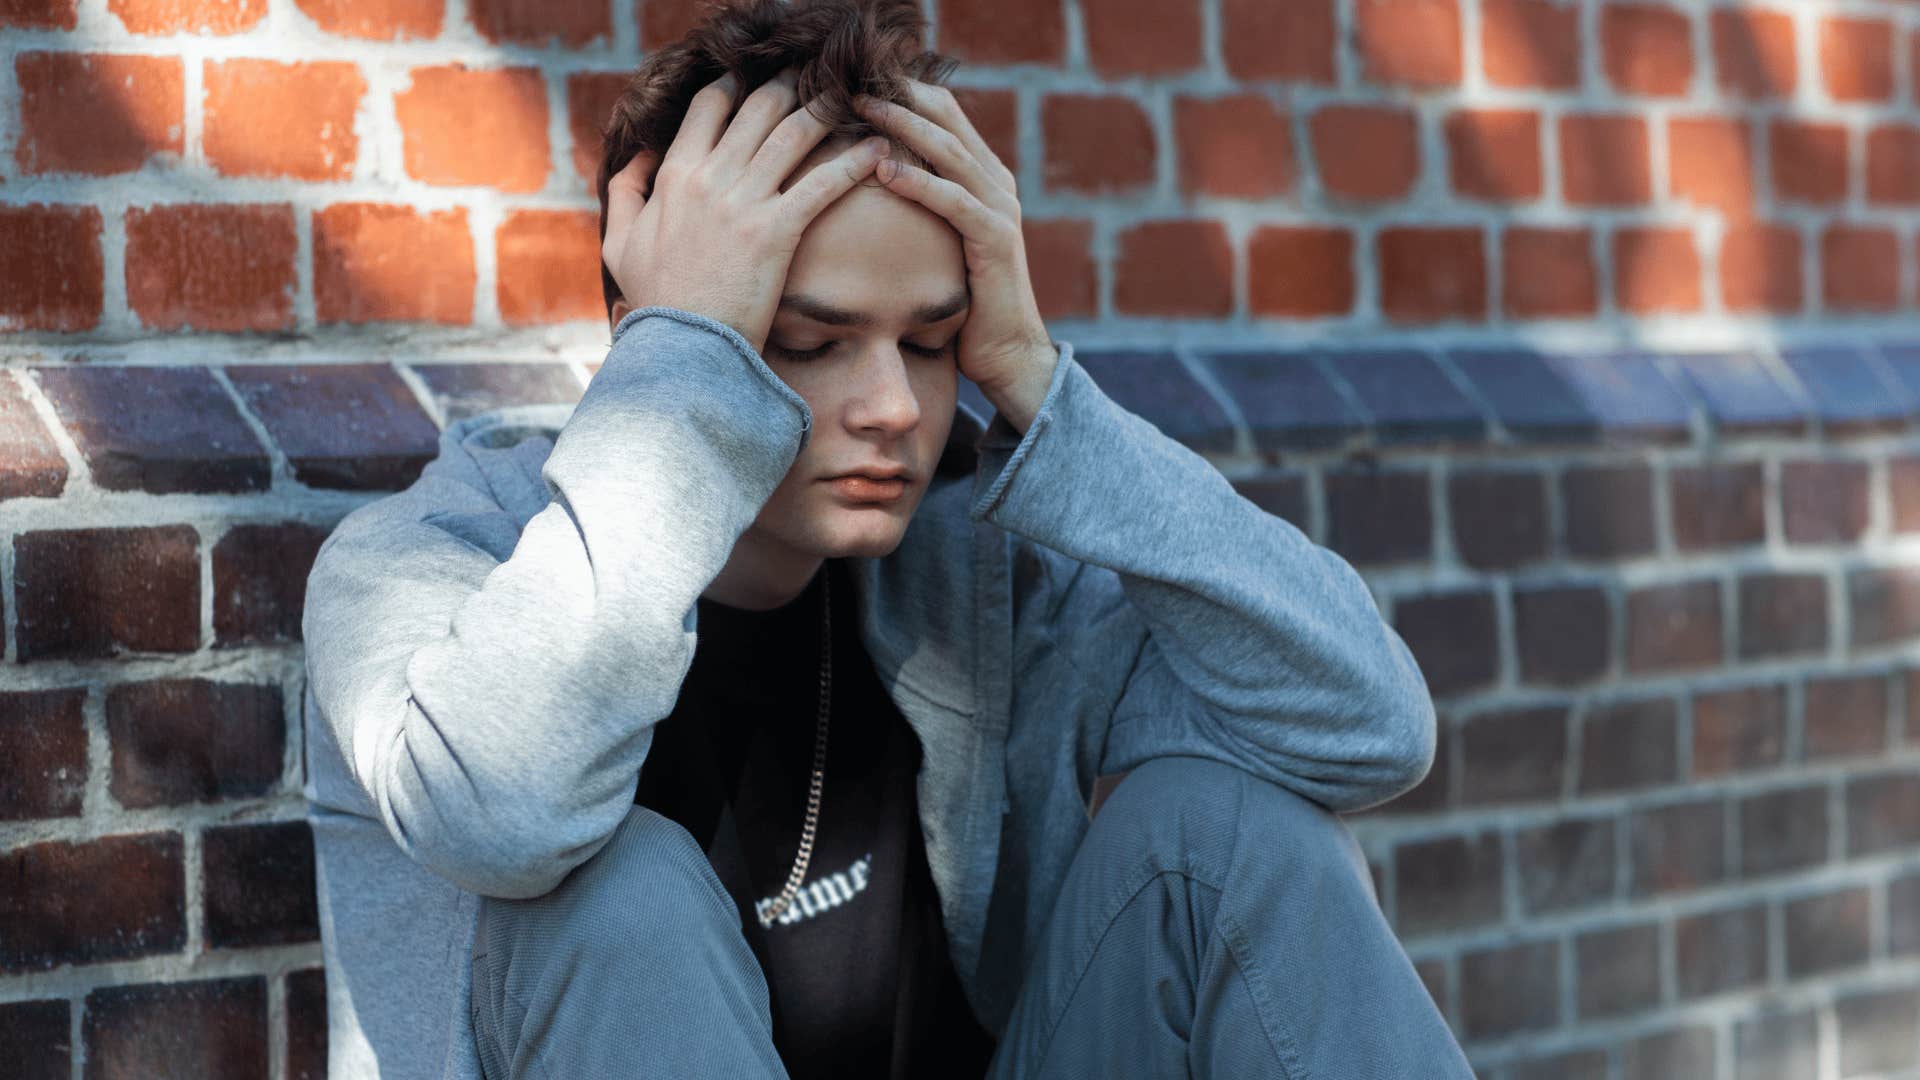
[819, 757]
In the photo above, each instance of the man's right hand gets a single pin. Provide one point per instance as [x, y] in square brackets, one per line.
[707, 229]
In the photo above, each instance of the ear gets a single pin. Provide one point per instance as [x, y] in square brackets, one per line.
[620, 309]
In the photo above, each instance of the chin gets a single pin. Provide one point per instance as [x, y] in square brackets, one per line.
[868, 533]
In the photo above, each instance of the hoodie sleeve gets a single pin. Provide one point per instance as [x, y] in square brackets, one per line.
[1216, 629]
[494, 689]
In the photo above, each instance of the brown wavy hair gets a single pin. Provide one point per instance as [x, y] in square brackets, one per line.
[840, 48]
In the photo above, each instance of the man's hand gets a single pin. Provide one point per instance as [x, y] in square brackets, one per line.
[707, 229]
[1004, 346]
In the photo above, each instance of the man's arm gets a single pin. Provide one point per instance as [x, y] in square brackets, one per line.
[1216, 628]
[497, 712]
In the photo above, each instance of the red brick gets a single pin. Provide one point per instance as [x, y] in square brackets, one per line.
[99, 592]
[1828, 932]
[1760, 268]
[1710, 163]
[40, 14]
[1823, 501]
[663, 22]
[1782, 614]
[260, 582]
[1174, 268]
[1846, 715]
[265, 118]
[1717, 951]
[1408, 42]
[1561, 633]
[1856, 59]
[1530, 43]
[1499, 516]
[212, 267]
[258, 885]
[1432, 273]
[1263, 40]
[1740, 729]
[1509, 988]
[1494, 154]
[158, 429]
[51, 270]
[1673, 626]
[1678, 847]
[1893, 165]
[1655, 269]
[1629, 744]
[1141, 37]
[1604, 160]
[1717, 505]
[995, 114]
[1885, 606]
[188, 16]
[306, 1024]
[1452, 637]
[375, 263]
[1365, 152]
[1608, 509]
[1883, 813]
[1809, 160]
[1301, 272]
[548, 267]
[1859, 268]
[590, 99]
[1234, 147]
[1548, 273]
[1513, 754]
[1903, 491]
[44, 743]
[35, 1039]
[193, 740]
[573, 23]
[1619, 969]
[1060, 262]
[1000, 31]
[87, 902]
[382, 20]
[98, 114]
[1647, 49]
[211, 1028]
[30, 463]
[463, 126]
[1447, 883]
[1753, 52]
[1096, 143]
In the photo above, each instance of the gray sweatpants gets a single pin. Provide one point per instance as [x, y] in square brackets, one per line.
[1212, 924]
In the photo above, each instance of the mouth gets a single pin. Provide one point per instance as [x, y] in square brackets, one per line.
[868, 487]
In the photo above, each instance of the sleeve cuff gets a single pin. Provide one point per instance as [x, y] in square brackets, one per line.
[740, 344]
[1003, 448]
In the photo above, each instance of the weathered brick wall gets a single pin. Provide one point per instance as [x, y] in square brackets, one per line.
[1582, 327]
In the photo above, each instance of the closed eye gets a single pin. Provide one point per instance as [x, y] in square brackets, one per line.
[802, 355]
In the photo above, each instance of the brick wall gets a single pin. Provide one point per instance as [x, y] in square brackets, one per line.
[1582, 327]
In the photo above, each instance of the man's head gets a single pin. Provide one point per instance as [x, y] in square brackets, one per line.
[874, 297]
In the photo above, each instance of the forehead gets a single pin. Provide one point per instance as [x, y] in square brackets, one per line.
[876, 252]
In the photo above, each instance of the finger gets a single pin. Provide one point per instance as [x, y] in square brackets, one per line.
[940, 103]
[700, 128]
[627, 192]
[829, 180]
[783, 151]
[763, 110]
[934, 143]
[942, 196]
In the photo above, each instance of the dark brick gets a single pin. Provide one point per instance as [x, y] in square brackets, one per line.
[43, 740]
[1447, 883]
[211, 1030]
[341, 425]
[1777, 1046]
[1877, 1031]
[1431, 793]
[1823, 502]
[1499, 517]
[1740, 395]
[1739, 730]
[1718, 951]
[1668, 1055]
[1153, 384]
[1826, 933]
[1634, 401]
[158, 429]
[1911, 677]
[1589, 1063]
[1885, 604]
[259, 886]
[1378, 516]
[1510, 988]
[1783, 830]
[1850, 394]
[1846, 715]
[307, 1024]
[97, 592]
[1609, 510]
[1883, 813]
[1282, 495]
[1628, 744]
[1717, 505]
[82, 903]
[1287, 399]
[1903, 914]
[1407, 397]
[260, 582]
[1562, 632]
[30, 462]
[1433, 975]
[1452, 636]
[1532, 399]
[1619, 970]
[1513, 755]
[1672, 626]
[1678, 847]
[1782, 614]
[1565, 865]
[1903, 491]
[193, 740]
[35, 1041]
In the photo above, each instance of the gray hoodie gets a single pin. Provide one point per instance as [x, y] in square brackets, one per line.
[488, 650]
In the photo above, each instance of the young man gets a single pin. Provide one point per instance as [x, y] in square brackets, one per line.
[741, 720]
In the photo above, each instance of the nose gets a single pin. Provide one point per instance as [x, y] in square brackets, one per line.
[885, 400]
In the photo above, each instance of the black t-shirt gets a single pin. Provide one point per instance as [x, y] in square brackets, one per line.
[857, 967]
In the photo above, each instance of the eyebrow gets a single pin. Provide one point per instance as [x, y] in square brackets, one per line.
[822, 312]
